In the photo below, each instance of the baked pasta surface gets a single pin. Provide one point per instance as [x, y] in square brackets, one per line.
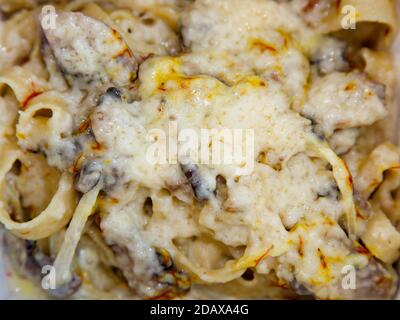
[84, 83]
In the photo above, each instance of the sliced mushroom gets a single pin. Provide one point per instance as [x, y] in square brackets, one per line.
[114, 93]
[29, 262]
[330, 57]
[165, 280]
[200, 186]
[125, 94]
[89, 176]
[300, 289]
[374, 282]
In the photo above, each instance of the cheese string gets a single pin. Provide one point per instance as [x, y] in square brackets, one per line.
[343, 179]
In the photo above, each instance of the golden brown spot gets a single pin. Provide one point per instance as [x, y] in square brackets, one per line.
[122, 53]
[25, 103]
[282, 284]
[230, 209]
[262, 157]
[329, 222]
[75, 168]
[96, 146]
[84, 126]
[300, 248]
[258, 260]
[262, 46]
[13, 216]
[21, 136]
[183, 85]
[350, 86]
[362, 250]
[359, 214]
[165, 256]
[146, 56]
[350, 180]
[322, 259]
[379, 280]
[310, 5]
[116, 34]
[161, 87]
[349, 177]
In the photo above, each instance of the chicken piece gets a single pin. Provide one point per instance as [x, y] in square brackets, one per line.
[147, 268]
[89, 52]
[342, 101]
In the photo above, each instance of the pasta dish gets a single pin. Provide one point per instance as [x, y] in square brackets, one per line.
[207, 149]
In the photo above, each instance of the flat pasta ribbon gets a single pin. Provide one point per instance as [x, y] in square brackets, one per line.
[52, 219]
